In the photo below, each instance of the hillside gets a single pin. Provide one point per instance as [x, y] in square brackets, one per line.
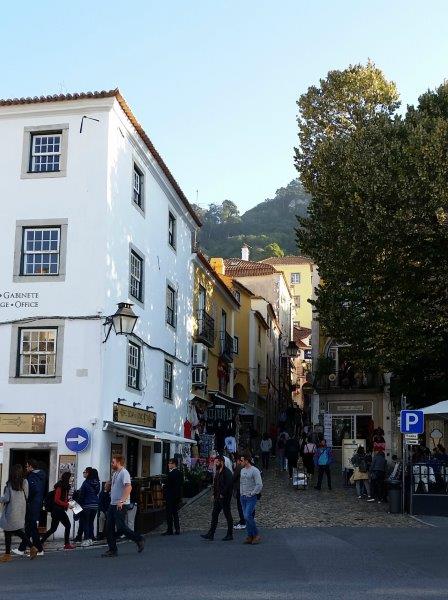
[273, 221]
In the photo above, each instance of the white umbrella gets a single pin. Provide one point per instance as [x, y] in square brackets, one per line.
[440, 408]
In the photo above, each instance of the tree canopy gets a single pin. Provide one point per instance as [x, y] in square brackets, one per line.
[376, 230]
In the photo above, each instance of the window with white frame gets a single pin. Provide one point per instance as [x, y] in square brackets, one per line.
[134, 366]
[172, 230]
[236, 344]
[237, 295]
[297, 301]
[168, 380]
[37, 352]
[137, 187]
[40, 251]
[136, 276]
[45, 155]
[295, 278]
[171, 306]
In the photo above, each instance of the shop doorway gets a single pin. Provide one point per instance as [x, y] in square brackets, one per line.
[132, 456]
[42, 457]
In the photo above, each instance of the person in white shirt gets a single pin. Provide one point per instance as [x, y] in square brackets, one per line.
[265, 447]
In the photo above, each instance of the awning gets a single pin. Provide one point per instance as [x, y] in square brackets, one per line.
[145, 433]
[441, 408]
[250, 411]
[224, 398]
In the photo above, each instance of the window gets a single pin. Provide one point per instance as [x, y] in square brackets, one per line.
[45, 151]
[297, 301]
[295, 278]
[136, 276]
[223, 321]
[202, 294]
[258, 373]
[37, 353]
[137, 187]
[236, 345]
[237, 296]
[134, 366]
[269, 321]
[172, 230]
[40, 251]
[296, 323]
[171, 306]
[168, 381]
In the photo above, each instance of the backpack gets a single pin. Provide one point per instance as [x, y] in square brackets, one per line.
[362, 465]
[49, 501]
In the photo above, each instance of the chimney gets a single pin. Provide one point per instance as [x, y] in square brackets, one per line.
[245, 252]
[218, 265]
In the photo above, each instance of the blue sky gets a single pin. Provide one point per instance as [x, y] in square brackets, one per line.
[215, 82]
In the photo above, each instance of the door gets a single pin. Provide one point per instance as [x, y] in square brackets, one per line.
[21, 457]
[165, 457]
[132, 456]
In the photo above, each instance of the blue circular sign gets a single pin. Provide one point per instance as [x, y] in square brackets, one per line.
[77, 439]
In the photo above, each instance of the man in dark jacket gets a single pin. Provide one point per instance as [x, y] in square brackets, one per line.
[377, 476]
[292, 449]
[37, 482]
[173, 496]
[222, 497]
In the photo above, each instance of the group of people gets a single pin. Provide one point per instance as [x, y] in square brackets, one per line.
[24, 498]
[369, 473]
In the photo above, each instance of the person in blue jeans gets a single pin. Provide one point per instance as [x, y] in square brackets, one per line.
[251, 485]
[323, 458]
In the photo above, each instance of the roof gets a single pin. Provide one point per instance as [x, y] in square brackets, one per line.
[302, 332]
[288, 260]
[115, 93]
[217, 277]
[236, 267]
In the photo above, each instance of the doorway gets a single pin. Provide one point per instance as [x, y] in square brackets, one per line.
[42, 457]
[132, 456]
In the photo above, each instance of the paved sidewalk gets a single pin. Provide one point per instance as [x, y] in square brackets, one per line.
[282, 506]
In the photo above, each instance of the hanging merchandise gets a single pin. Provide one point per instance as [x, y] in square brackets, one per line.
[187, 429]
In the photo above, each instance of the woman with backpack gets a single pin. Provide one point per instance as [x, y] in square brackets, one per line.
[361, 463]
[58, 509]
[323, 458]
[12, 519]
[88, 499]
[308, 451]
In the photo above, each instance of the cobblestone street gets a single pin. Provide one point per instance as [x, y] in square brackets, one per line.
[282, 506]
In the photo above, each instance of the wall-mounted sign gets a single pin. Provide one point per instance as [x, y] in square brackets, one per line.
[9, 299]
[22, 422]
[350, 408]
[134, 416]
[307, 354]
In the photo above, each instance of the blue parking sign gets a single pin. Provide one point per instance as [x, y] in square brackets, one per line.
[412, 421]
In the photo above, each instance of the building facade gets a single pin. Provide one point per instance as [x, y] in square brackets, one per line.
[96, 219]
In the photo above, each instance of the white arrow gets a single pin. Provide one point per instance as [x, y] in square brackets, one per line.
[79, 439]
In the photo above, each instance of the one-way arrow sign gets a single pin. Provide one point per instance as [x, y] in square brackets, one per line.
[77, 439]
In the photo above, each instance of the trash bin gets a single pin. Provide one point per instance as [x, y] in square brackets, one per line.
[394, 493]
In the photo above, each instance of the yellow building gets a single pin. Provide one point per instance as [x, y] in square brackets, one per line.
[298, 272]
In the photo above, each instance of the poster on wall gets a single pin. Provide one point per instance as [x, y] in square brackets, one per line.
[67, 462]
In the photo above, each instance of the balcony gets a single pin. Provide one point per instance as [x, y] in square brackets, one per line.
[206, 328]
[226, 347]
[340, 382]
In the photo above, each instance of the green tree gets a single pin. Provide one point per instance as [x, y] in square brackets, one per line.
[374, 230]
[274, 249]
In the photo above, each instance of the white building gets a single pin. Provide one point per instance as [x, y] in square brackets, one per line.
[90, 217]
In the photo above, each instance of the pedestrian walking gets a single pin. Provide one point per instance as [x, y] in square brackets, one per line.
[280, 450]
[361, 463]
[58, 509]
[377, 475]
[12, 519]
[251, 485]
[37, 482]
[236, 491]
[265, 448]
[292, 449]
[173, 497]
[323, 459]
[222, 497]
[308, 452]
[103, 507]
[119, 498]
[88, 499]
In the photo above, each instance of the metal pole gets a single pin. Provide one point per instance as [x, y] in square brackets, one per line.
[403, 485]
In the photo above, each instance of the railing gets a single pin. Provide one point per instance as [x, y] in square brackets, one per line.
[226, 346]
[341, 380]
[206, 328]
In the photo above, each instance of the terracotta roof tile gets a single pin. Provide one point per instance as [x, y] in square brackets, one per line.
[128, 112]
[300, 333]
[288, 260]
[236, 267]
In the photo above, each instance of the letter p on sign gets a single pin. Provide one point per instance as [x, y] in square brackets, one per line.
[412, 421]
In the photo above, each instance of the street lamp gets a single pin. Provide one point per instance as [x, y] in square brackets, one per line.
[123, 321]
[292, 349]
